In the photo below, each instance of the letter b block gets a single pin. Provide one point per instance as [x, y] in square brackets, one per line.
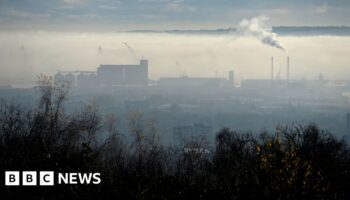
[12, 178]
[29, 178]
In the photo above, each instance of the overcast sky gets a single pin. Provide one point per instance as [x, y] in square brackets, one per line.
[166, 14]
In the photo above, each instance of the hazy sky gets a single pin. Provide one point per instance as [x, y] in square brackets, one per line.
[165, 14]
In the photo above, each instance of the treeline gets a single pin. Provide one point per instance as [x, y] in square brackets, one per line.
[293, 163]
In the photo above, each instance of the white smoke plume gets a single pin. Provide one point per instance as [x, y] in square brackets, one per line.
[257, 27]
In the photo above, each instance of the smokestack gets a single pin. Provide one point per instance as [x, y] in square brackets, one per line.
[271, 68]
[231, 77]
[288, 68]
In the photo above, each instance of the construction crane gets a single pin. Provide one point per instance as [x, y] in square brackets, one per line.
[131, 51]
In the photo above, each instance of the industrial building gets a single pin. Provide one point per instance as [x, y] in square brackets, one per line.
[87, 80]
[197, 82]
[65, 77]
[192, 82]
[113, 75]
[107, 76]
[136, 75]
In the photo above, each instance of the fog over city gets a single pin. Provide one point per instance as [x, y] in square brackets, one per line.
[189, 69]
[23, 55]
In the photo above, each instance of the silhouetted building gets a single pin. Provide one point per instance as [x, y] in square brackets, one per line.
[192, 82]
[107, 75]
[87, 80]
[65, 78]
[113, 75]
[110, 74]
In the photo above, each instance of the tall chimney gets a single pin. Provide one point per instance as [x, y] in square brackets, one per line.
[288, 68]
[231, 77]
[271, 68]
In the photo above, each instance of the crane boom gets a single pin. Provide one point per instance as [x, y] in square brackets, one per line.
[131, 51]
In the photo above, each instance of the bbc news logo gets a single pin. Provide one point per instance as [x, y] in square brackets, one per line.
[47, 178]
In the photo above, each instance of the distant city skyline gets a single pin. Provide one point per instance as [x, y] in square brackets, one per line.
[121, 15]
